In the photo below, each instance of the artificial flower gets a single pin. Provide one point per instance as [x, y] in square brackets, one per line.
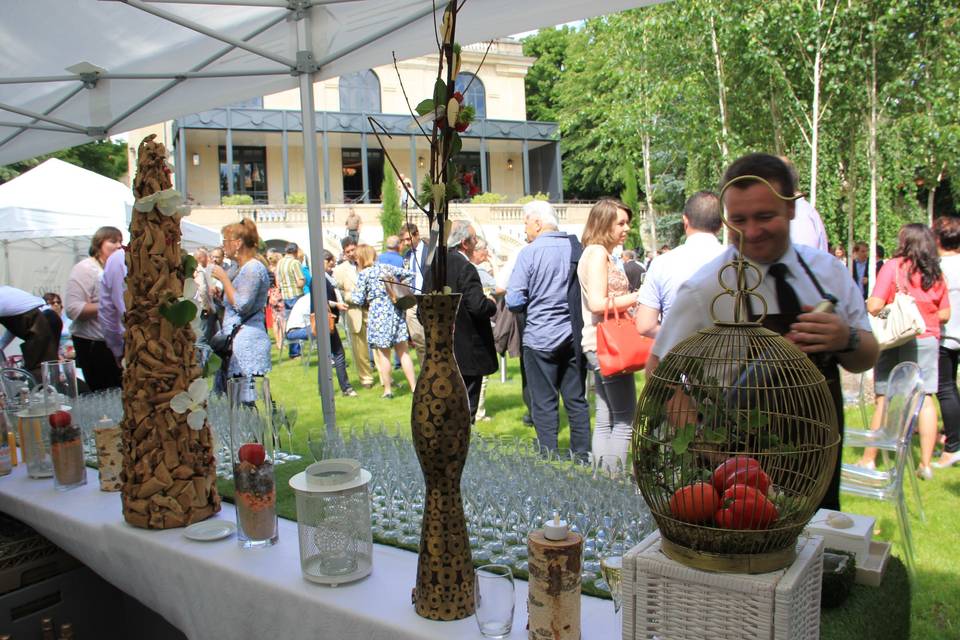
[169, 202]
[192, 400]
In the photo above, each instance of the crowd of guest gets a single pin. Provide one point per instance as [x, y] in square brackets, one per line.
[542, 304]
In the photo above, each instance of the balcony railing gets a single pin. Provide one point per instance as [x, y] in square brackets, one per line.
[514, 213]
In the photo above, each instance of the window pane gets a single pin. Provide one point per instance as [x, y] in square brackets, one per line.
[249, 172]
[475, 95]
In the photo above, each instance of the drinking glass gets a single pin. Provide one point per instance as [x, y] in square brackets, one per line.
[66, 437]
[495, 599]
[252, 453]
[315, 438]
[288, 424]
[612, 569]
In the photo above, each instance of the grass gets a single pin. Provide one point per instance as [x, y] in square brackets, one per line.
[870, 613]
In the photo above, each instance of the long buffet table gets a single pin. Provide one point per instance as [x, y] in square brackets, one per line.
[217, 590]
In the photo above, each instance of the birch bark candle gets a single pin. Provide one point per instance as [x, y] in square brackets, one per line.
[553, 602]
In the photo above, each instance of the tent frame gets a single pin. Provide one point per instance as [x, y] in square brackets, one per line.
[304, 67]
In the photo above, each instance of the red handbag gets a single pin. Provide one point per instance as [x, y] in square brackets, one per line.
[620, 348]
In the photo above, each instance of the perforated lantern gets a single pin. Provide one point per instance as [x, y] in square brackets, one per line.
[741, 396]
[333, 520]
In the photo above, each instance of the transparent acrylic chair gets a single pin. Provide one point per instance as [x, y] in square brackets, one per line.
[902, 379]
[904, 397]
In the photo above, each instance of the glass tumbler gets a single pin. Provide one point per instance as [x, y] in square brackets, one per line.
[252, 450]
[66, 436]
[495, 598]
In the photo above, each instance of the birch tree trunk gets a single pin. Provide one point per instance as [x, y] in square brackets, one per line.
[648, 190]
[872, 161]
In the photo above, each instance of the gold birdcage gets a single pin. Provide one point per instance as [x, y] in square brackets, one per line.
[731, 413]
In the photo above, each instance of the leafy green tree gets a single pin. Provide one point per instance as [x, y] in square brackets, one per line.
[104, 157]
[549, 47]
[391, 216]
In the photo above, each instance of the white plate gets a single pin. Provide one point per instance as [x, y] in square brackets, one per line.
[209, 530]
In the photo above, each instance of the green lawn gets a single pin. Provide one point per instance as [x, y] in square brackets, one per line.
[935, 596]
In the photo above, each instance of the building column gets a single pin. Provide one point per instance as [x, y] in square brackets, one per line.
[558, 170]
[483, 165]
[229, 154]
[363, 158]
[285, 155]
[413, 162]
[526, 167]
[181, 159]
[325, 143]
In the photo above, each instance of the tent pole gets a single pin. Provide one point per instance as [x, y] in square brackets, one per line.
[315, 226]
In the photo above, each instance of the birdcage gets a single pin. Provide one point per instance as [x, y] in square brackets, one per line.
[735, 441]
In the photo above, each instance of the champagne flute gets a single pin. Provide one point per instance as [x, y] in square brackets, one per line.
[288, 425]
[315, 439]
[612, 569]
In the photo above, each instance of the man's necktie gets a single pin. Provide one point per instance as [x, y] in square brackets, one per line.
[786, 296]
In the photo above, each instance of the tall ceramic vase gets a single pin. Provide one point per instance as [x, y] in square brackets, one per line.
[441, 436]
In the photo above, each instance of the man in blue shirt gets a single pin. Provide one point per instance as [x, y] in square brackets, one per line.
[540, 285]
[391, 254]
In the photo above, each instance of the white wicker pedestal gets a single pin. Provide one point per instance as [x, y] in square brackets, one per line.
[664, 600]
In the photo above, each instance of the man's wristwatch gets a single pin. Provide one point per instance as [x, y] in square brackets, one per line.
[853, 342]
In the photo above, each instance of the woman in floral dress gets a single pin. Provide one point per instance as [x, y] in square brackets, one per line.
[245, 299]
[386, 326]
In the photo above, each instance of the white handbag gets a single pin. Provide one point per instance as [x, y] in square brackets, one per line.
[898, 322]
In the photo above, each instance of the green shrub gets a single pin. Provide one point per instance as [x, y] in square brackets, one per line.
[537, 196]
[488, 198]
[236, 199]
[391, 217]
[297, 198]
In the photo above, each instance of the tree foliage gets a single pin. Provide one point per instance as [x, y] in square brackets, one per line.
[679, 89]
[104, 157]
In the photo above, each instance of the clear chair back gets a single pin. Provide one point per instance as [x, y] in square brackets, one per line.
[904, 393]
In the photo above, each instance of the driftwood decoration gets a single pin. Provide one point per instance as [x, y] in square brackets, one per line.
[168, 468]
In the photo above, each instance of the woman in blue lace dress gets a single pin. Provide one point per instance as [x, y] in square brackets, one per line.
[245, 299]
[386, 326]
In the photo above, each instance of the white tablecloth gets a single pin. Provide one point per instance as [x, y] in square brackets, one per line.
[217, 590]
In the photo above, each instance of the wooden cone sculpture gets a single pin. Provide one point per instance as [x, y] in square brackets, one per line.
[169, 471]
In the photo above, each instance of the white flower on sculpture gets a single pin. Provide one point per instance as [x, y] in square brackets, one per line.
[168, 201]
[192, 400]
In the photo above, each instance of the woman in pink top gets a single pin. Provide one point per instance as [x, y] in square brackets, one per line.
[915, 268]
[603, 286]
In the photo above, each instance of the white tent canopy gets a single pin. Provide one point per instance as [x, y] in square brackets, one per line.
[84, 69]
[49, 214]
[144, 68]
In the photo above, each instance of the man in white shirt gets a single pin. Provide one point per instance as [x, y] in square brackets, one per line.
[701, 222]
[806, 228]
[798, 275]
[21, 315]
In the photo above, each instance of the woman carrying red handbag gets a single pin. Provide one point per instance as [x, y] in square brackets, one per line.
[611, 344]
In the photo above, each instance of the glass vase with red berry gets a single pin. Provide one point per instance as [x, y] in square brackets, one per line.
[66, 436]
[252, 447]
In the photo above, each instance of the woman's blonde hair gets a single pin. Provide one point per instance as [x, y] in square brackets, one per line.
[245, 230]
[273, 258]
[600, 222]
[366, 256]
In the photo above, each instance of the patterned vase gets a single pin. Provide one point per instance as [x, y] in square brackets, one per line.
[441, 436]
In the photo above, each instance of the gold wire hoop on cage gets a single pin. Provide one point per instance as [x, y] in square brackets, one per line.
[734, 389]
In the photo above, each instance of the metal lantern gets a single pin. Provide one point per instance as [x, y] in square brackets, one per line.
[734, 443]
[333, 520]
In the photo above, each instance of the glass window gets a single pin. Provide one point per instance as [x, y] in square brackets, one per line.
[467, 165]
[360, 92]
[352, 169]
[473, 92]
[249, 172]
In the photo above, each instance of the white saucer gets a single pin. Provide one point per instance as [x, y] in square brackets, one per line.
[209, 530]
